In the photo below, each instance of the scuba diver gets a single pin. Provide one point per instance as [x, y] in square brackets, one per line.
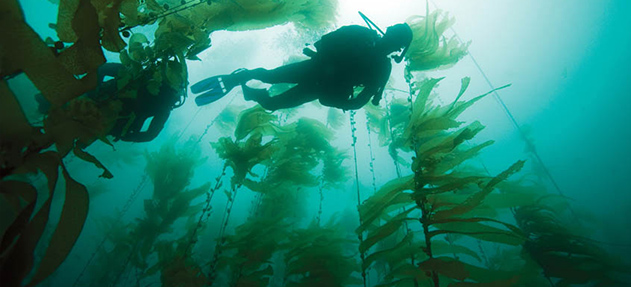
[136, 111]
[349, 57]
[131, 111]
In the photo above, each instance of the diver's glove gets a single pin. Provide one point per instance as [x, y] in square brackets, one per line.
[375, 100]
[308, 52]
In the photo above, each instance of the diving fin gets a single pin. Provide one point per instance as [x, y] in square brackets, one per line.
[206, 84]
[209, 97]
[214, 87]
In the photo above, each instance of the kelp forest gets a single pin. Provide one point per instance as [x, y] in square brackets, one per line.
[263, 215]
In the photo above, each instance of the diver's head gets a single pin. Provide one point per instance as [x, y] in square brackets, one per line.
[397, 37]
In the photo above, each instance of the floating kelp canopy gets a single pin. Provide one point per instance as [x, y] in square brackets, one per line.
[431, 225]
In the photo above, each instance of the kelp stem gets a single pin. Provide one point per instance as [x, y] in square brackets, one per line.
[425, 218]
[362, 255]
[222, 238]
[130, 201]
[425, 215]
[372, 159]
[418, 188]
[321, 191]
[206, 210]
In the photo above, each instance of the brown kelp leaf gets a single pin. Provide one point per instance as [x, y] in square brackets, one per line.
[90, 158]
[474, 228]
[242, 157]
[172, 42]
[500, 283]
[80, 122]
[475, 199]
[202, 43]
[129, 9]
[21, 254]
[13, 122]
[484, 274]
[109, 18]
[458, 107]
[446, 143]
[440, 247]
[136, 47]
[176, 74]
[384, 255]
[420, 103]
[384, 231]
[16, 228]
[47, 162]
[334, 173]
[458, 156]
[66, 13]
[509, 226]
[464, 84]
[73, 215]
[408, 273]
[20, 257]
[391, 194]
[15, 131]
[445, 266]
[452, 185]
[85, 55]
[253, 120]
[427, 51]
[23, 50]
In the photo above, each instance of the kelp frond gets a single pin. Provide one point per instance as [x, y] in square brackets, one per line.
[430, 49]
[317, 256]
[570, 258]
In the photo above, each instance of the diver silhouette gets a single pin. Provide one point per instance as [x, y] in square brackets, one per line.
[349, 57]
[136, 111]
[133, 111]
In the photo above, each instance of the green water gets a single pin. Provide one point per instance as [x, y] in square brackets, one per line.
[231, 195]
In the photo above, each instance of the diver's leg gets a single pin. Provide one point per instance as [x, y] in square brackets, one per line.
[293, 97]
[300, 72]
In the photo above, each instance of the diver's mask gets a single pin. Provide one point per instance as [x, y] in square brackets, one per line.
[401, 36]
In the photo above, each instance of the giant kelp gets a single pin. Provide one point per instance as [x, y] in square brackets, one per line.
[291, 160]
[416, 225]
[433, 135]
[170, 169]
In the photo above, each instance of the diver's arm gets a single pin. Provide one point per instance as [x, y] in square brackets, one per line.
[356, 103]
[383, 80]
[156, 125]
[370, 91]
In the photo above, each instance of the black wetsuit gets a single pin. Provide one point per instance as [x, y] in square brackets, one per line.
[345, 58]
